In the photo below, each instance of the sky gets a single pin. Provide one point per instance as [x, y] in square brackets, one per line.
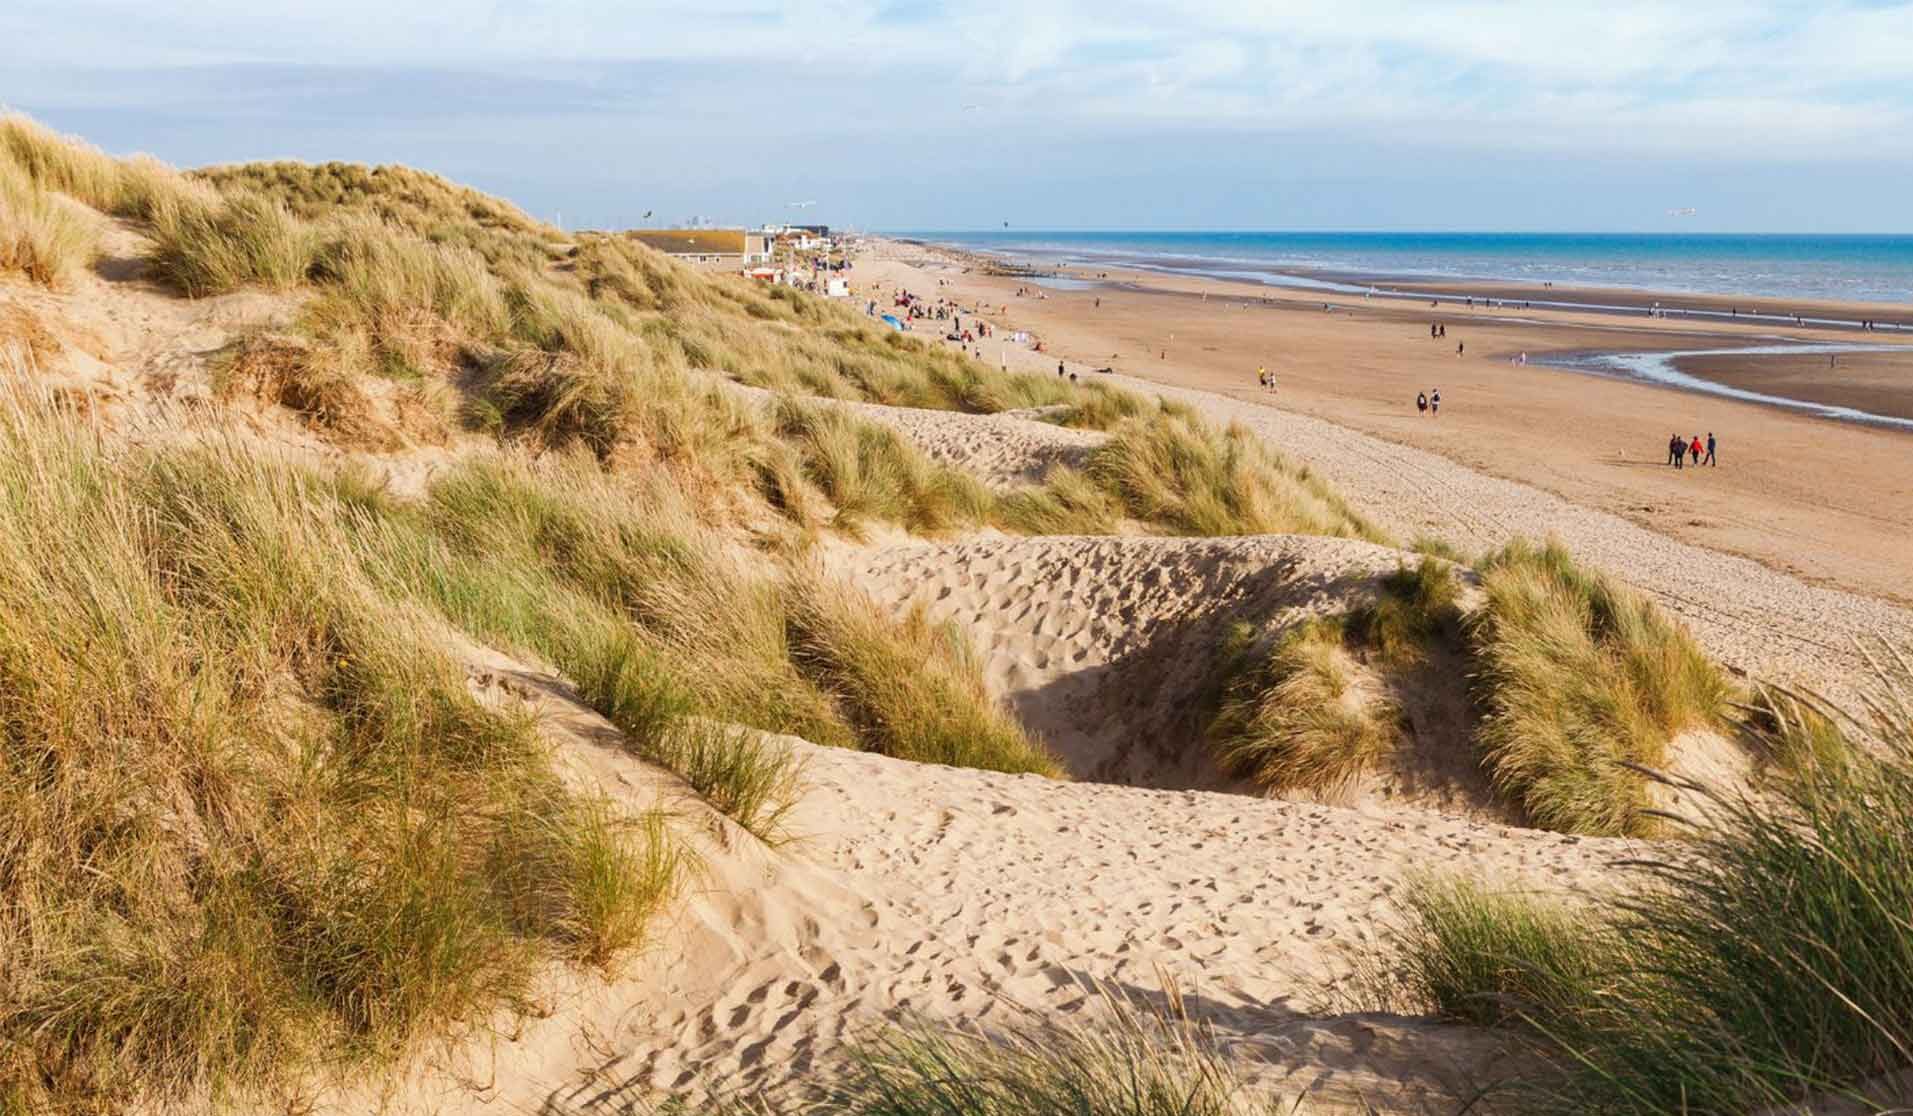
[920, 114]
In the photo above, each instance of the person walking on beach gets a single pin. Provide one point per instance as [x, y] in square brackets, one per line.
[1421, 402]
[1434, 403]
[1694, 450]
[1710, 450]
[1459, 346]
[1676, 450]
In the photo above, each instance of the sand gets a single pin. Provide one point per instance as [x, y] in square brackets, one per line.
[968, 898]
[1828, 502]
[1879, 383]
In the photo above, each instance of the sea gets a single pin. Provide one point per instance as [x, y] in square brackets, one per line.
[1847, 268]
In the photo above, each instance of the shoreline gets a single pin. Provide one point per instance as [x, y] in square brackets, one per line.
[1735, 365]
[1890, 318]
[1790, 481]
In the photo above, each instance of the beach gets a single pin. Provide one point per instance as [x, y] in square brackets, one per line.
[1830, 502]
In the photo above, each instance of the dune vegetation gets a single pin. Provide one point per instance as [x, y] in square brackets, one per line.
[1294, 718]
[1315, 708]
[1581, 685]
[251, 815]
[265, 809]
[1582, 682]
[1133, 1062]
[1767, 962]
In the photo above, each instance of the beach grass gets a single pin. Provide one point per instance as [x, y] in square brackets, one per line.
[1187, 477]
[1067, 502]
[914, 690]
[868, 472]
[254, 818]
[1764, 963]
[1292, 717]
[1127, 1059]
[41, 239]
[1582, 682]
[1417, 608]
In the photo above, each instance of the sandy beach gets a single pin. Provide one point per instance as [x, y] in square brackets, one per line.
[1787, 482]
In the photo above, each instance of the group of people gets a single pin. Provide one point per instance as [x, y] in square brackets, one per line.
[1265, 379]
[1679, 448]
[1428, 404]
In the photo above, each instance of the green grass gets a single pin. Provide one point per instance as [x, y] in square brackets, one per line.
[1186, 477]
[868, 472]
[1068, 502]
[1476, 954]
[1581, 680]
[1416, 609]
[1292, 718]
[913, 690]
[1765, 961]
[252, 819]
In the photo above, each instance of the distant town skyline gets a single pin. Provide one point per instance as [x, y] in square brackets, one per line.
[1375, 114]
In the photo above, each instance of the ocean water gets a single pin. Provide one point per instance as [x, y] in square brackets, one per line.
[1867, 268]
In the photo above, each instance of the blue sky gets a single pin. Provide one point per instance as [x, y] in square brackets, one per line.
[922, 114]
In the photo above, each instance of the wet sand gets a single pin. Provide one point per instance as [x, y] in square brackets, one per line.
[1879, 383]
[1827, 501]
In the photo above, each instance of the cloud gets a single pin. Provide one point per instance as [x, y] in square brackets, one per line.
[684, 97]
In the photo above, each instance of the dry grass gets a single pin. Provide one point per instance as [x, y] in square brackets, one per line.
[1293, 717]
[1185, 476]
[868, 472]
[312, 382]
[1766, 965]
[212, 247]
[1581, 679]
[252, 820]
[26, 337]
[913, 690]
[41, 239]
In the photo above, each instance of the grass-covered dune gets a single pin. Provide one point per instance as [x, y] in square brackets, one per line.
[1763, 962]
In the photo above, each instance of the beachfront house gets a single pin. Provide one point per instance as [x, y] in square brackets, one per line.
[708, 249]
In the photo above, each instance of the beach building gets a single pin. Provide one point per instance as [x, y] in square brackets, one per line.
[709, 249]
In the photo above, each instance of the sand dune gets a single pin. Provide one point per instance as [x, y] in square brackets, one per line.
[1002, 450]
[1107, 647]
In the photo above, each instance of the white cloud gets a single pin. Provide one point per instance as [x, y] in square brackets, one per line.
[1702, 75]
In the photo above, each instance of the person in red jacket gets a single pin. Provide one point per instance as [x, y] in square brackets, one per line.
[1693, 449]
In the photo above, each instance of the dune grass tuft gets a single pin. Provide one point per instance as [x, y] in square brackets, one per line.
[868, 472]
[212, 247]
[1416, 608]
[252, 818]
[913, 689]
[1766, 963]
[1189, 478]
[1293, 718]
[1477, 954]
[40, 238]
[1126, 1061]
[1068, 502]
[1579, 678]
